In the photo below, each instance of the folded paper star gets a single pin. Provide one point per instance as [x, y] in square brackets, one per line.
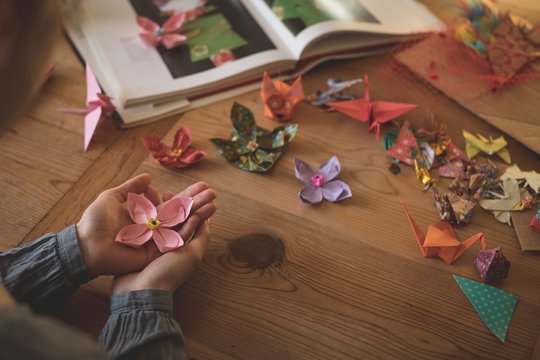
[250, 147]
[167, 34]
[321, 183]
[532, 178]
[474, 145]
[375, 113]
[494, 306]
[510, 200]
[280, 99]
[336, 92]
[98, 105]
[440, 240]
[491, 265]
[151, 223]
[180, 155]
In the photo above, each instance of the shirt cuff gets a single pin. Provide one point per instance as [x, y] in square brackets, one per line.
[71, 257]
[141, 300]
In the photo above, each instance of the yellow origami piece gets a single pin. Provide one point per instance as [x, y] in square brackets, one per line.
[532, 178]
[476, 144]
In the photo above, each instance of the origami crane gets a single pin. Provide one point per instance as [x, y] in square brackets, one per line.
[151, 223]
[180, 155]
[98, 105]
[373, 112]
[167, 34]
[441, 240]
[321, 183]
[474, 145]
[280, 99]
[250, 147]
[335, 92]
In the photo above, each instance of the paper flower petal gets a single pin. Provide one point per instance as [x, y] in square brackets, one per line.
[134, 235]
[330, 169]
[303, 171]
[182, 138]
[175, 211]
[174, 23]
[311, 195]
[172, 40]
[167, 239]
[147, 24]
[140, 208]
[336, 190]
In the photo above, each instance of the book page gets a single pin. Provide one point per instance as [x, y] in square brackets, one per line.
[304, 22]
[139, 73]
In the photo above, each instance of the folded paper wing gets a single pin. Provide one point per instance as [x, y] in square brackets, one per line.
[376, 112]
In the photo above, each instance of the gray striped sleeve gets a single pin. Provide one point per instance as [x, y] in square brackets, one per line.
[47, 268]
[141, 326]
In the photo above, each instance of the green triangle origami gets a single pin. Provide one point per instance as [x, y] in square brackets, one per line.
[494, 306]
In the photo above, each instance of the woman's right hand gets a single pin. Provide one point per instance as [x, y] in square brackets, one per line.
[171, 269]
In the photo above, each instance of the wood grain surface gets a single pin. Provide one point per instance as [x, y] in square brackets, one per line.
[280, 280]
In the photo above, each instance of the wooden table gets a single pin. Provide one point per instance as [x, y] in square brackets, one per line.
[280, 280]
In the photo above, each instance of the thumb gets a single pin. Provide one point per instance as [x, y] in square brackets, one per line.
[137, 185]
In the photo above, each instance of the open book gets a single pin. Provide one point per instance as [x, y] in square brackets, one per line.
[283, 37]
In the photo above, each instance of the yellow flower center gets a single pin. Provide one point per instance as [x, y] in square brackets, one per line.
[152, 223]
[176, 153]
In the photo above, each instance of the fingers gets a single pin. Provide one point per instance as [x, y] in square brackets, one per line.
[167, 195]
[195, 219]
[200, 241]
[137, 185]
[203, 198]
[152, 195]
[193, 190]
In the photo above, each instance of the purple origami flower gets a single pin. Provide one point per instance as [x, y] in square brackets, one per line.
[320, 183]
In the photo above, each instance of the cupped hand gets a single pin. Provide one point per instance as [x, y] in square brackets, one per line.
[102, 220]
[171, 269]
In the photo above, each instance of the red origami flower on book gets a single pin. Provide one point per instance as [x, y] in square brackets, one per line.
[179, 155]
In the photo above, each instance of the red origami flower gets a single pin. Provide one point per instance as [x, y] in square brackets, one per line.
[179, 155]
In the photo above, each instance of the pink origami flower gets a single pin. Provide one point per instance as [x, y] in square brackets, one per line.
[180, 155]
[151, 223]
[168, 34]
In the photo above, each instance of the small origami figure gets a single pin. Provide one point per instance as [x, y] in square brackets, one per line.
[441, 240]
[456, 211]
[494, 306]
[511, 199]
[491, 265]
[531, 178]
[535, 221]
[180, 155]
[320, 183]
[474, 145]
[167, 34]
[250, 147]
[98, 105]
[374, 113]
[405, 148]
[280, 99]
[336, 92]
[151, 223]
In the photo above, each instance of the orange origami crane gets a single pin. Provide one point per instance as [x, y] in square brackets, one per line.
[441, 240]
[280, 99]
[374, 112]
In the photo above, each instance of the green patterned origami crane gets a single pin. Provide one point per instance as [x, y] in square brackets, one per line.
[250, 147]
